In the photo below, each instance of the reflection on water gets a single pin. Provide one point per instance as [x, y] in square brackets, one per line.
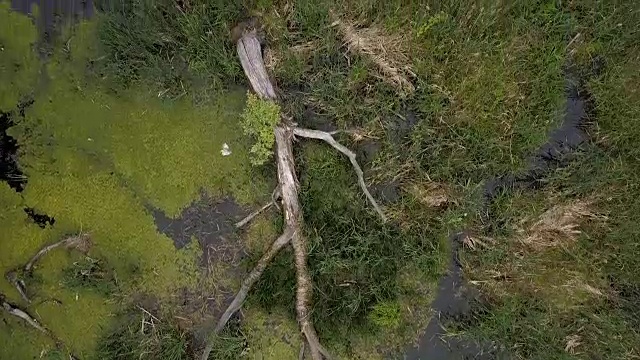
[51, 13]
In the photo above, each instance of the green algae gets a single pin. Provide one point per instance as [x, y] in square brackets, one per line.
[96, 158]
[19, 65]
[271, 335]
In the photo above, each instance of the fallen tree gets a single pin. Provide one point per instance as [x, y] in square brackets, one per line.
[250, 54]
[80, 242]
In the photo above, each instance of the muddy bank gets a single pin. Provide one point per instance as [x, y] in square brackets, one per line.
[453, 301]
[208, 221]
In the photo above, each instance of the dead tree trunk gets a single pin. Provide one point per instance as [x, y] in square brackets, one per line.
[250, 55]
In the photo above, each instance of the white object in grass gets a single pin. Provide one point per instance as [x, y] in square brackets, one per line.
[226, 151]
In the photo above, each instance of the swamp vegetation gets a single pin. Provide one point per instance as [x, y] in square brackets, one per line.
[133, 130]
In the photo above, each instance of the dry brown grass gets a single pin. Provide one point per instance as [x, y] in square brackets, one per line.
[558, 226]
[537, 266]
[271, 59]
[388, 52]
[431, 194]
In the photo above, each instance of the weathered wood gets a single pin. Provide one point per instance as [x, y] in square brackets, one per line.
[70, 241]
[251, 58]
[250, 217]
[13, 276]
[293, 219]
[247, 284]
[325, 136]
[17, 312]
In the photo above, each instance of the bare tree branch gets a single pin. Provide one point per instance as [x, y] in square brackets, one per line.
[247, 284]
[325, 136]
[17, 312]
[293, 218]
[274, 202]
[250, 217]
[250, 55]
[12, 277]
[251, 58]
[72, 240]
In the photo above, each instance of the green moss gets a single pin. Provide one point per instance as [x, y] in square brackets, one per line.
[258, 120]
[19, 65]
[385, 314]
[19, 239]
[270, 335]
[261, 233]
[95, 159]
[164, 151]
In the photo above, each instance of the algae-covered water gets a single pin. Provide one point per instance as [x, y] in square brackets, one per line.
[95, 157]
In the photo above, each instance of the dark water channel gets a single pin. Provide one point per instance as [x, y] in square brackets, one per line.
[454, 299]
[52, 13]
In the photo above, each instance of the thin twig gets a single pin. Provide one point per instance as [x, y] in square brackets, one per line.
[247, 284]
[325, 136]
[250, 217]
[148, 313]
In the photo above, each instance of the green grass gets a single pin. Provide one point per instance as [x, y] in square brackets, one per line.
[156, 339]
[358, 265]
[177, 50]
[489, 88]
[87, 272]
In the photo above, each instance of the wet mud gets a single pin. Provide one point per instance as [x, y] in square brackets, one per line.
[9, 169]
[454, 298]
[208, 221]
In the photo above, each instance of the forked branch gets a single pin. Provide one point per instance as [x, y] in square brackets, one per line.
[72, 241]
[247, 284]
[325, 136]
